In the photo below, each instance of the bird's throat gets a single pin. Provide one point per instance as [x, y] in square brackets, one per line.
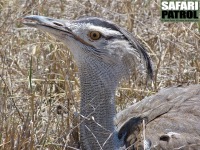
[97, 110]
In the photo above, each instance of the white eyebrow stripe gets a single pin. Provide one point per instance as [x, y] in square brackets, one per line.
[104, 31]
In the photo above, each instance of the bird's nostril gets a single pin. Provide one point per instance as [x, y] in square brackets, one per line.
[58, 24]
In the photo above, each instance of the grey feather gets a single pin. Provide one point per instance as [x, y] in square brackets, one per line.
[172, 119]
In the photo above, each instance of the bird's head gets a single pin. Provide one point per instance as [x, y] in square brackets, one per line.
[95, 41]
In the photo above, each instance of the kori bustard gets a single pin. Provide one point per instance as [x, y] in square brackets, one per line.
[105, 53]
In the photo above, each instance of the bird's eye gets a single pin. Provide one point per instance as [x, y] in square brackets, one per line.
[95, 35]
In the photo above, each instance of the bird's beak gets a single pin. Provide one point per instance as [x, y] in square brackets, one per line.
[58, 28]
[46, 24]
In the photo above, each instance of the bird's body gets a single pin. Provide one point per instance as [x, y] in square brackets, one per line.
[105, 53]
[172, 120]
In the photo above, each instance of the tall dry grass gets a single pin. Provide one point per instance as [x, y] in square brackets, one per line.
[39, 84]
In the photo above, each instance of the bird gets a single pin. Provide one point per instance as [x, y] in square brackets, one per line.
[105, 53]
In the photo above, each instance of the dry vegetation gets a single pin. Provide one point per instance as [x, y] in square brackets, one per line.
[39, 85]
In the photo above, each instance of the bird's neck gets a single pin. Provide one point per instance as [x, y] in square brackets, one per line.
[97, 108]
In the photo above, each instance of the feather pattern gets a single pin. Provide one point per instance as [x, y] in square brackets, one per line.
[172, 120]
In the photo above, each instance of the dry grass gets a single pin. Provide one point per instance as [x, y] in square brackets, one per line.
[38, 106]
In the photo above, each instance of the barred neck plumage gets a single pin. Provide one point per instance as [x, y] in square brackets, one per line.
[98, 85]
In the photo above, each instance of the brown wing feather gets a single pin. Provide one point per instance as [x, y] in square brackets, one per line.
[172, 119]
